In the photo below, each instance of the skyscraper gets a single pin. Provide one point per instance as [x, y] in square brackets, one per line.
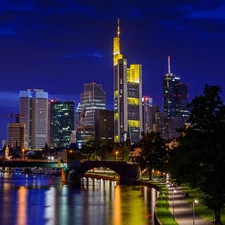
[34, 108]
[170, 92]
[93, 98]
[182, 102]
[175, 101]
[77, 116]
[127, 95]
[104, 126]
[147, 113]
[61, 122]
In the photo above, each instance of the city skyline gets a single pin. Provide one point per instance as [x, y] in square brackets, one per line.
[60, 47]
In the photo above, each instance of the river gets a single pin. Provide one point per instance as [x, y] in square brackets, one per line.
[43, 200]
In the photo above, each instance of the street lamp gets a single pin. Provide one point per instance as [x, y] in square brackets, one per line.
[194, 201]
[173, 203]
[116, 155]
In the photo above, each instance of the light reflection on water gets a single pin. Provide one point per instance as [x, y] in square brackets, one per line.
[43, 200]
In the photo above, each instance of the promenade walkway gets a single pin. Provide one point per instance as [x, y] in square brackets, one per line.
[181, 209]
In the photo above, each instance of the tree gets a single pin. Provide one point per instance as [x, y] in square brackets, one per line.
[153, 151]
[120, 151]
[199, 157]
[93, 147]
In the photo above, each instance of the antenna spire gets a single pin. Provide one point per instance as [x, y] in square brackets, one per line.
[118, 28]
[169, 64]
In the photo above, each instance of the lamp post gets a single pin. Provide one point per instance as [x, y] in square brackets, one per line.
[173, 203]
[194, 201]
[116, 155]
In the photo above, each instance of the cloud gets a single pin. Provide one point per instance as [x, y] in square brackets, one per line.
[93, 54]
[217, 14]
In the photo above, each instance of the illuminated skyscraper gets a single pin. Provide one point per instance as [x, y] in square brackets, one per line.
[61, 122]
[127, 95]
[93, 98]
[147, 113]
[134, 101]
[34, 108]
[170, 93]
[182, 102]
[175, 96]
[77, 116]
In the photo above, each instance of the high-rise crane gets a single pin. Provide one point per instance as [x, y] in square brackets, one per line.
[11, 115]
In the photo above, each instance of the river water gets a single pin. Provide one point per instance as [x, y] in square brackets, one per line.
[43, 200]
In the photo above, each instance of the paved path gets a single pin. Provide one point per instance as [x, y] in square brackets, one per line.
[181, 209]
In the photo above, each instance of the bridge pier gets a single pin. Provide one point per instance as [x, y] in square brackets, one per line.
[64, 176]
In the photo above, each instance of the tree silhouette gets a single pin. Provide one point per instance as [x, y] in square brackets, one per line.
[199, 157]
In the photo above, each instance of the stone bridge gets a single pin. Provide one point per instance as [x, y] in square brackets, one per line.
[74, 170]
[127, 173]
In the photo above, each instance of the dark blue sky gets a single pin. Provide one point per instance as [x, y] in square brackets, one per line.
[58, 45]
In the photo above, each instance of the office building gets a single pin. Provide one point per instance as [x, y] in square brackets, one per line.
[104, 131]
[134, 101]
[61, 123]
[16, 135]
[77, 116]
[166, 126]
[147, 113]
[170, 93]
[34, 108]
[127, 95]
[182, 102]
[93, 98]
[84, 134]
[175, 95]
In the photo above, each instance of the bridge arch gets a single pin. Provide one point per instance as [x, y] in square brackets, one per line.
[92, 167]
[126, 172]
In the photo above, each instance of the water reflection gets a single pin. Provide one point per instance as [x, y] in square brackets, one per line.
[22, 206]
[43, 200]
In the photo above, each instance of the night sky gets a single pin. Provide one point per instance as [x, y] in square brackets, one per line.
[58, 45]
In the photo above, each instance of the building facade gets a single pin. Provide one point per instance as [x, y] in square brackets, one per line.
[175, 99]
[170, 93]
[16, 135]
[84, 134]
[93, 98]
[147, 113]
[175, 95]
[127, 95]
[61, 122]
[104, 126]
[34, 108]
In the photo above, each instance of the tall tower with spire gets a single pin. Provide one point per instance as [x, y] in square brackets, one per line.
[175, 96]
[170, 93]
[127, 95]
[120, 89]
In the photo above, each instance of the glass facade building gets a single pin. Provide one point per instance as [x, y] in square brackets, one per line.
[34, 111]
[61, 122]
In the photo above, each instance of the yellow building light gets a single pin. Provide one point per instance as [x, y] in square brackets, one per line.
[133, 101]
[134, 123]
[115, 94]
